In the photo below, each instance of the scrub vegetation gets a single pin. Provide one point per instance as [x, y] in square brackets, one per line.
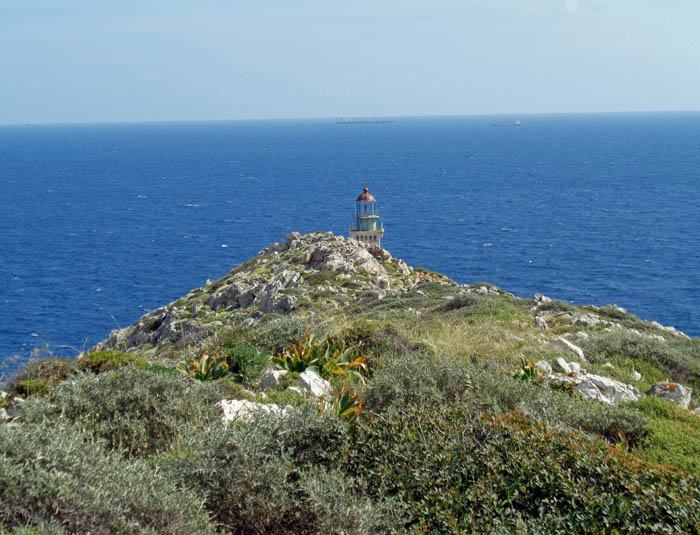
[450, 428]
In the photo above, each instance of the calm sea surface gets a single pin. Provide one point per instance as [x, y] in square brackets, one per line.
[99, 224]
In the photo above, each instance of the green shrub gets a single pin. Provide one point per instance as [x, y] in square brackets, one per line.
[136, 412]
[460, 473]
[39, 376]
[673, 434]
[377, 338]
[427, 381]
[245, 362]
[274, 336]
[52, 478]
[103, 361]
[273, 477]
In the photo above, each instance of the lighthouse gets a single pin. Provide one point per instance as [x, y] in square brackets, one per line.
[366, 227]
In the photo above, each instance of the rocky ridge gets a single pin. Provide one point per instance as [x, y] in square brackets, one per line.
[300, 272]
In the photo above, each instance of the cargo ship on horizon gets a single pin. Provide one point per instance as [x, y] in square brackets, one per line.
[348, 120]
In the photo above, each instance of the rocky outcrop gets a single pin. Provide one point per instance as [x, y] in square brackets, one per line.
[677, 393]
[318, 268]
[605, 390]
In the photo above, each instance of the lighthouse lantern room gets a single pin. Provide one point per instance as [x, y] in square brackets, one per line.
[366, 227]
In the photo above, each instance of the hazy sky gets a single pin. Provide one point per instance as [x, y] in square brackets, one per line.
[127, 60]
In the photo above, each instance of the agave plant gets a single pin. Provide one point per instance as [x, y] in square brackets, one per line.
[527, 371]
[346, 402]
[300, 356]
[205, 368]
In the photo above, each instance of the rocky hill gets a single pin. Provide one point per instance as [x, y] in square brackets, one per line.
[325, 387]
[299, 273]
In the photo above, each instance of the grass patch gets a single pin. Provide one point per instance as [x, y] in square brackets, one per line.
[673, 434]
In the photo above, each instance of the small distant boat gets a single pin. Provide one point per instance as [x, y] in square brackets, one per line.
[347, 120]
[513, 124]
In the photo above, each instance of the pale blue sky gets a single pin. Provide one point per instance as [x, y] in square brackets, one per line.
[98, 61]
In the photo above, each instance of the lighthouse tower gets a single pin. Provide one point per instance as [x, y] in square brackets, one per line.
[366, 227]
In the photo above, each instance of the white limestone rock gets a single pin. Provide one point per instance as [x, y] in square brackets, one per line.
[696, 411]
[605, 390]
[636, 375]
[4, 417]
[675, 392]
[313, 385]
[271, 378]
[244, 411]
[544, 367]
[569, 347]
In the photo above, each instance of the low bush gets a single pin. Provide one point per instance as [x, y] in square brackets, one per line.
[39, 376]
[273, 477]
[52, 478]
[136, 412]
[245, 362]
[104, 361]
[458, 472]
[418, 380]
[673, 434]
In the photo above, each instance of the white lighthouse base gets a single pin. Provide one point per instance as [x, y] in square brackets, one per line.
[371, 237]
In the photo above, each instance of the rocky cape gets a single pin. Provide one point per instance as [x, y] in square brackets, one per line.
[319, 272]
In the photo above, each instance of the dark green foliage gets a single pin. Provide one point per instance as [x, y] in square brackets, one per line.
[377, 339]
[245, 362]
[461, 473]
[274, 336]
[39, 376]
[273, 477]
[136, 412]
[53, 477]
[322, 277]
[104, 361]
[463, 301]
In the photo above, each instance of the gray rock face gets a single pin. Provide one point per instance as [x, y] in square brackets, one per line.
[271, 377]
[313, 385]
[4, 417]
[677, 393]
[696, 411]
[561, 366]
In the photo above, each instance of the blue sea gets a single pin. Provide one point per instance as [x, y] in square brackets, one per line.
[101, 223]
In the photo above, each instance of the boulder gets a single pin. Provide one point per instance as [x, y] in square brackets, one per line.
[244, 411]
[696, 411]
[569, 347]
[561, 366]
[540, 299]
[271, 377]
[606, 390]
[636, 375]
[544, 367]
[4, 417]
[541, 323]
[677, 393]
[313, 385]
[587, 320]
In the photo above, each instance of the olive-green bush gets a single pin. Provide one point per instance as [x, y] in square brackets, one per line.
[273, 476]
[136, 412]
[55, 478]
